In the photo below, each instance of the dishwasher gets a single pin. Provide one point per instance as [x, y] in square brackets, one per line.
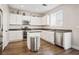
[59, 38]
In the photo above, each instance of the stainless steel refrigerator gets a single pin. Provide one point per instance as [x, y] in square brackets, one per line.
[1, 31]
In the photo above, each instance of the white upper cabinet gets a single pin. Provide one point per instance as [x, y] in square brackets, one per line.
[19, 19]
[67, 40]
[35, 20]
[27, 18]
[16, 19]
[13, 19]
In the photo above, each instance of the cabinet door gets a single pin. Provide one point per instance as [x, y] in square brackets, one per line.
[12, 36]
[43, 35]
[35, 21]
[13, 19]
[67, 40]
[32, 21]
[5, 39]
[38, 20]
[19, 35]
[19, 19]
[27, 18]
[48, 36]
[15, 36]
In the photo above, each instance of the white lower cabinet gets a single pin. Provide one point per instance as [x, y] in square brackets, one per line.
[57, 38]
[12, 36]
[5, 39]
[20, 35]
[48, 36]
[67, 36]
[15, 36]
[63, 39]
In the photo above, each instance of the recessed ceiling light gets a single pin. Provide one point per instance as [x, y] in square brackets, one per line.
[44, 4]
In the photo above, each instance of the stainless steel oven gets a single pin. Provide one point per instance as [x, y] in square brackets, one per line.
[24, 35]
[25, 23]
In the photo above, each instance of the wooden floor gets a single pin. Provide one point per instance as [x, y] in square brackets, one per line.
[20, 48]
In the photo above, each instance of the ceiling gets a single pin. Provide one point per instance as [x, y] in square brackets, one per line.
[36, 8]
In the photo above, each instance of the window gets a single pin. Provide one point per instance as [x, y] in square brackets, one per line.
[53, 19]
[56, 19]
[47, 19]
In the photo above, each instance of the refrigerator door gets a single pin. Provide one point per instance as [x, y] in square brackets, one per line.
[0, 21]
[1, 31]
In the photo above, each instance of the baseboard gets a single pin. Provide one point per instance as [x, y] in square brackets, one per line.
[16, 40]
[4, 46]
[75, 47]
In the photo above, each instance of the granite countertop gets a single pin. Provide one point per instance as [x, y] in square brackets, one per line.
[49, 29]
[39, 27]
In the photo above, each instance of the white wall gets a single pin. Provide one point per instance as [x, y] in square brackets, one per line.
[76, 27]
[5, 24]
[71, 20]
[45, 20]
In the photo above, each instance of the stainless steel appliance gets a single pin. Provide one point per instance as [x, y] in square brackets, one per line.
[24, 35]
[25, 23]
[33, 40]
[1, 31]
[34, 43]
[59, 38]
